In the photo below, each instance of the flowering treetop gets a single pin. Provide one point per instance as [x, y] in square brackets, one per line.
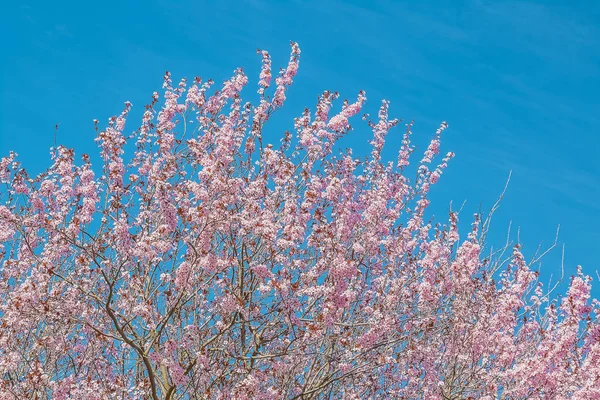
[199, 261]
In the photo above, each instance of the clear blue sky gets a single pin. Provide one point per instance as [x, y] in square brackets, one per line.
[517, 81]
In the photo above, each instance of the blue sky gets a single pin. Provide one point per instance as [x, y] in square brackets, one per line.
[518, 83]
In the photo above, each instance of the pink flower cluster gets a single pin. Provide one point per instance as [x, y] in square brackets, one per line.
[199, 261]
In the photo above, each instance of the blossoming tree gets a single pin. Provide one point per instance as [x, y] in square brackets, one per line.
[199, 261]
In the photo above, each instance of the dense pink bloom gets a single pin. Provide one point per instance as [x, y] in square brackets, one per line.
[200, 261]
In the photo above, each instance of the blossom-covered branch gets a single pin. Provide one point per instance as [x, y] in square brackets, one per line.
[199, 261]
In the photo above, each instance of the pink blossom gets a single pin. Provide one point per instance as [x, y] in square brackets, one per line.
[203, 260]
